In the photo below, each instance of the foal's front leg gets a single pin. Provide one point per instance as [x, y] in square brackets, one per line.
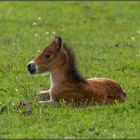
[43, 96]
[46, 94]
[49, 102]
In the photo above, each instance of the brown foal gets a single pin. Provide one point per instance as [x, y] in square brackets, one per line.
[66, 82]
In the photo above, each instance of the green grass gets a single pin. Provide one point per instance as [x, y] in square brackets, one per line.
[105, 37]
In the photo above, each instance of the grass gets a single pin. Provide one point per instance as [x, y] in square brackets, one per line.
[105, 37]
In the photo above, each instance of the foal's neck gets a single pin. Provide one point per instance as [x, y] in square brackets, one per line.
[57, 76]
[66, 75]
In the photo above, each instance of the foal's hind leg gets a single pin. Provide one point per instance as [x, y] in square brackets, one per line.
[43, 96]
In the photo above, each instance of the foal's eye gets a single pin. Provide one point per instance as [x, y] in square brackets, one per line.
[48, 56]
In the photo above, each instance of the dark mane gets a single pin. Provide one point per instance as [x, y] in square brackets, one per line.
[72, 72]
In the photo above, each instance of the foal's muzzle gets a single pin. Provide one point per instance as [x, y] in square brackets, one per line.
[32, 67]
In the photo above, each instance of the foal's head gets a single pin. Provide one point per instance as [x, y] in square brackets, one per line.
[52, 57]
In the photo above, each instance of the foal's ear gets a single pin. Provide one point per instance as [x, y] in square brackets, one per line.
[58, 42]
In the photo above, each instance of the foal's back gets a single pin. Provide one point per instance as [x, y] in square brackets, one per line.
[104, 90]
[92, 91]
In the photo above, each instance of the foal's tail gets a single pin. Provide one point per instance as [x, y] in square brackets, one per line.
[123, 96]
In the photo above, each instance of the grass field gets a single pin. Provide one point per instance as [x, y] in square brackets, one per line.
[105, 37]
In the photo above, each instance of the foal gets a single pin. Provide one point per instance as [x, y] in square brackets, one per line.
[67, 84]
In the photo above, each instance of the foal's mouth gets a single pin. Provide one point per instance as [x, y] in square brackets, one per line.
[32, 67]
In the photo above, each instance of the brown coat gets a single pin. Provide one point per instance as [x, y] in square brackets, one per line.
[94, 91]
[67, 84]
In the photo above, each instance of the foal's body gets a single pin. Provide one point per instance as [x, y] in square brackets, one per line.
[93, 91]
[66, 82]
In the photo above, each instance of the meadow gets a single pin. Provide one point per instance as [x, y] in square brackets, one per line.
[105, 37]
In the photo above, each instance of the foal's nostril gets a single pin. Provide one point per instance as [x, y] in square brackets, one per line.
[31, 68]
[28, 67]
